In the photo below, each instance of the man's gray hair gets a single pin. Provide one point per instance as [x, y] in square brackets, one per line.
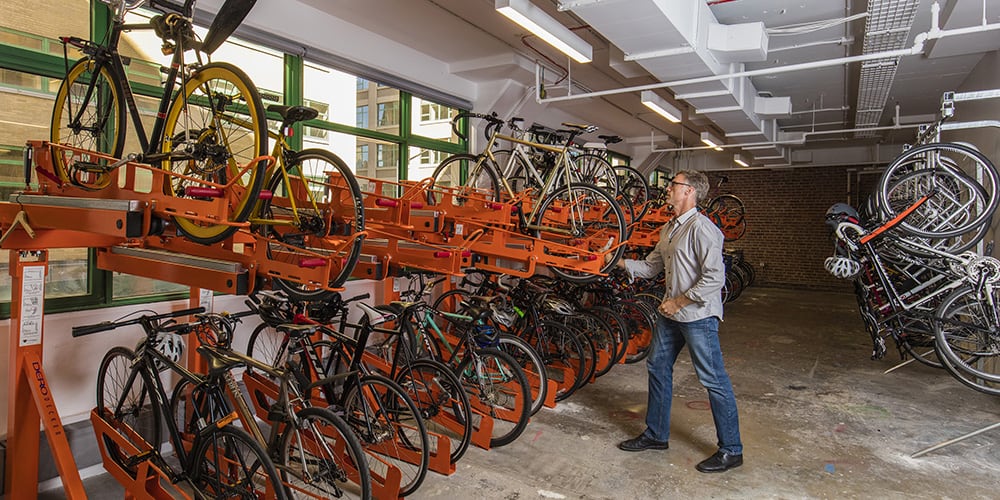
[697, 180]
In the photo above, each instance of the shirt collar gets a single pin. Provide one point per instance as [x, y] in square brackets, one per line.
[684, 217]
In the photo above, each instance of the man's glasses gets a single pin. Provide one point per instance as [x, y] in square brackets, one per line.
[672, 183]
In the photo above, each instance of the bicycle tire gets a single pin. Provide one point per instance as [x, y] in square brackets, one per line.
[102, 126]
[516, 172]
[453, 172]
[633, 189]
[588, 364]
[265, 345]
[334, 467]
[600, 331]
[590, 168]
[388, 424]
[618, 329]
[562, 354]
[965, 333]
[531, 362]
[229, 463]
[729, 204]
[584, 217]
[122, 396]
[498, 387]
[642, 325]
[955, 186]
[442, 400]
[342, 217]
[219, 143]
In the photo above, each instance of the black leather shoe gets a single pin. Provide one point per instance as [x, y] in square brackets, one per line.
[642, 443]
[720, 462]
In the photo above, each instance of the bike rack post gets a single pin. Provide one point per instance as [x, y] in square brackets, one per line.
[30, 401]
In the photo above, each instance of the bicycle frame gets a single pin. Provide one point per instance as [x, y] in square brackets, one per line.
[107, 56]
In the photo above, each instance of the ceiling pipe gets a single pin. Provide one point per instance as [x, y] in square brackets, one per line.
[934, 33]
[778, 143]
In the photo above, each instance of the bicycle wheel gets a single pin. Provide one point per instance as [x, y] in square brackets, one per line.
[498, 388]
[267, 346]
[229, 463]
[390, 429]
[332, 232]
[443, 404]
[516, 171]
[728, 204]
[124, 399]
[958, 203]
[585, 218]
[213, 129]
[563, 355]
[322, 458]
[633, 189]
[466, 175]
[641, 325]
[600, 332]
[618, 330]
[590, 168]
[966, 337]
[89, 113]
[531, 362]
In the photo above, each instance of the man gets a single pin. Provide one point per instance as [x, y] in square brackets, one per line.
[690, 255]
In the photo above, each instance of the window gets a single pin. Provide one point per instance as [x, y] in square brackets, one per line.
[316, 132]
[27, 99]
[388, 156]
[362, 158]
[362, 117]
[433, 120]
[388, 114]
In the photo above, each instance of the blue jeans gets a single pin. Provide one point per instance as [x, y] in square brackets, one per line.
[702, 339]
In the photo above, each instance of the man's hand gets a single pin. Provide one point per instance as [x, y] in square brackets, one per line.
[673, 305]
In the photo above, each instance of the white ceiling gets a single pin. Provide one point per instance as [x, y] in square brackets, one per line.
[481, 45]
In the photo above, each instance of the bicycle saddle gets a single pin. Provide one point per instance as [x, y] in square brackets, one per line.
[219, 361]
[610, 139]
[297, 331]
[375, 317]
[294, 114]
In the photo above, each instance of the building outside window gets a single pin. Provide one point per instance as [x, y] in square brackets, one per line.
[362, 118]
[388, 113]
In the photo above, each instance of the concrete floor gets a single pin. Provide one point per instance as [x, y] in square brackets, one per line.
[818, 418]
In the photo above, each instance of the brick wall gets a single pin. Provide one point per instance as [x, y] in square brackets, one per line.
[786, 238]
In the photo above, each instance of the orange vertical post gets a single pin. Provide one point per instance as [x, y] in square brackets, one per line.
[30, 397]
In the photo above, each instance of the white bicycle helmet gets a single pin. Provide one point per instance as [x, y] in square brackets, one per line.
[559, 306]
[842, 267]
[169, 344]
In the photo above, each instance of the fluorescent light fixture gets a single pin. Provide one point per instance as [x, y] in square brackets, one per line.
[661, 106]
[711, 140]
[739, 161]
[535, 20]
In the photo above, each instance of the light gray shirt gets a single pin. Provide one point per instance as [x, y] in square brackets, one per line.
[690, 255]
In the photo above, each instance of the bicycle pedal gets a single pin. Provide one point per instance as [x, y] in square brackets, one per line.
[87, 166]
[140, 458]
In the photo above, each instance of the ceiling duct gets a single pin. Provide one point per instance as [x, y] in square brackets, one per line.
[887, 28]
[670, 39]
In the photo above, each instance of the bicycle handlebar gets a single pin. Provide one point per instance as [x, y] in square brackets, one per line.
[79, 331]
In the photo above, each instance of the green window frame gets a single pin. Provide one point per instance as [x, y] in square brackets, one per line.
[44, 59]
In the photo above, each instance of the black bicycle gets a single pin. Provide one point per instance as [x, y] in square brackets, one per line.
[210, 130]
[221, 460]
